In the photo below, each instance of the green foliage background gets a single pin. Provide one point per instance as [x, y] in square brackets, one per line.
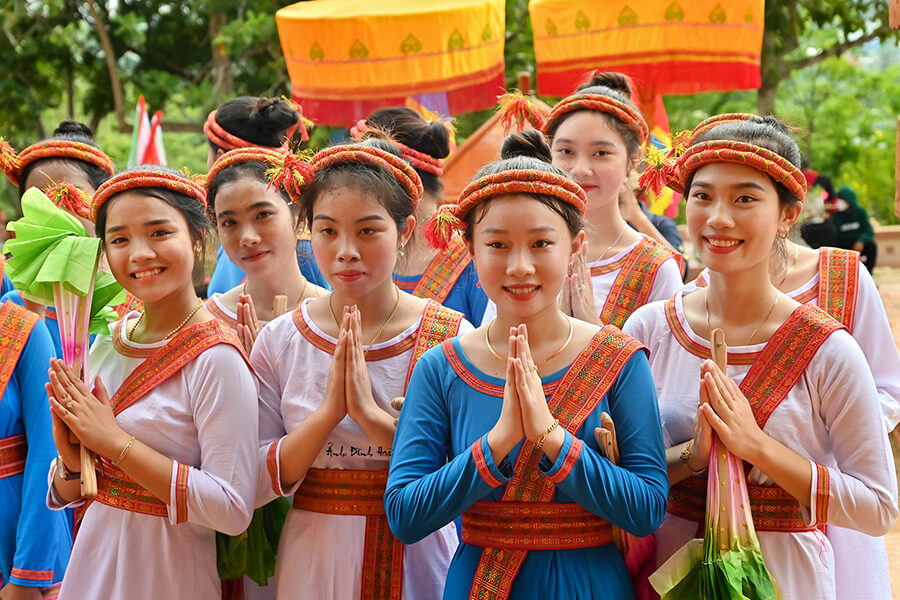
[52, 67]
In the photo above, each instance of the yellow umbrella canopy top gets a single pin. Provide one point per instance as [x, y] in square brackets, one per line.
[347, 58]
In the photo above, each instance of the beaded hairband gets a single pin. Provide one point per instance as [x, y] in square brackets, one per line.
[228, 141]
[72, 199]
[607, 104]
[289, 171]
[419, 160]
[14, 165]
[763, 160]
[449, 218]
[399, 168]
[146, 178]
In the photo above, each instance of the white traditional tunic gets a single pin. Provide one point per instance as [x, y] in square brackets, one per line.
[829, 410]
[861, 560]
[204, 418]
[322, 554]
[664, 280]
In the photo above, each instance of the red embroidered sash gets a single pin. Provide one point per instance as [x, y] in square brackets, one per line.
[839, 284]
[213, 307]
[442, 272]
[115, 487]
[634, 283]
[771, 376]
[438, 324]
[579, 392]
[16, 324]
[13, 450]
[550, 526]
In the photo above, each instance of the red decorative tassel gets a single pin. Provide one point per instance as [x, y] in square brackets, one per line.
[441, 226]
[517, 110]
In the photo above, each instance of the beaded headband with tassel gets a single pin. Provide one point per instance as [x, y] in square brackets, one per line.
[14, 165]
[623, 111]
[72, 199]
[147, 178]
[449, 218]
[396, 166]
[518, 110]
[419, 160]
[290, 171]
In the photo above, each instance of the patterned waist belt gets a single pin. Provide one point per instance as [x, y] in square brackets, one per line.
[773, 508]
[116, 489]
[346, 492]
[533, 526]
[13, 450]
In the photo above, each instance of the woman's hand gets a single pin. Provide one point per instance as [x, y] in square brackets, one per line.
[701, 444]
[361, 405]
[11, 591]
[728, 411]
[89, 416]
[577, 298]
[536, 416]
[249, 325]
[508, 432]
[334, 405]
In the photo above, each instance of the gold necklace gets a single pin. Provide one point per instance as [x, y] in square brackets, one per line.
[171, 333]
[487, 340]
[383, 325]
[793, 264]
[769, 314]
[611, 246]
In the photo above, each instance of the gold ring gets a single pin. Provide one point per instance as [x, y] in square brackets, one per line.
[69, 405]
[533, 368]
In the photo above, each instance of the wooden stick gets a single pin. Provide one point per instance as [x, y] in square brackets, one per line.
[279, 305]
[718, 349]
[895, 14]
[88, 474]
[897, 169]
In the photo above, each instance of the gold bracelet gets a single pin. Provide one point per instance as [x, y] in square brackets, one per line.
[125, 450]
[543, 436]
[686, 456]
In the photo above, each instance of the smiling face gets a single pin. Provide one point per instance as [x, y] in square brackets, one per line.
[733, 215]
[256, 226]
[149, 246]
[355, 240]
[521, 250]
[588, 147]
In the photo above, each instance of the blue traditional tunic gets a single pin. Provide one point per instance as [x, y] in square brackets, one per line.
[466, 296]
[49, 320]
[441, 465]
[34, 541]
[227, 275]
[7, 286]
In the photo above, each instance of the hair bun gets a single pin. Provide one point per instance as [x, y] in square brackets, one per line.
[73, 129]
[274, 114]
[436, 140]
[612, 80]
[530, 142]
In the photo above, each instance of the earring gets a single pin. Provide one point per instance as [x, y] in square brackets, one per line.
[783, 236]
[401, 252]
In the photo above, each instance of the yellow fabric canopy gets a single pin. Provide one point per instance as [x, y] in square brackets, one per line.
[343, 55]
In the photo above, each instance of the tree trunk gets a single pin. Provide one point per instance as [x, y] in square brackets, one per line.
[223, 83]
[111, 65]
[765, 97]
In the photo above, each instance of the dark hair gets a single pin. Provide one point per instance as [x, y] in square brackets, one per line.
[72, 131]
[618, 87]
[765, 132]
[193, 212]
[366, 177]
[254, 169]
[526, 150]
[409, 128]
[261, 121]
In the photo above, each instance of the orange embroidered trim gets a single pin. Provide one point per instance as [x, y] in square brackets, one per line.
[686, 342]
[473, 381]
[131, 303]
[13, 451]
[442, 272]
[115, 488]
[171, 358]
[581, 389]
[823, 491]
[28, 575]
[181, 491]
[213, 307]
[551, 526]
[807, 296]
[634, 283]
[328, 346]
[357, 492]
[481, 465]
[272, 467]
[16, 324]
[569, 462]
[438, 324]
[839, 284]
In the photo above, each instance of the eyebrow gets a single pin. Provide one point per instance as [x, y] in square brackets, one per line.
[147, 224]
[594, 143]
[743, 184]
[253, 206]
[359, 220]
[542, 229]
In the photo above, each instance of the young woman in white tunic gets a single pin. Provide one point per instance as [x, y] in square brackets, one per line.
[328, 372]
[810, 445]
[172, 412]
[595, 136]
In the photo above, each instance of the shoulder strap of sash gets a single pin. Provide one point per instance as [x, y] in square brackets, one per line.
[784, 358]
[634, 283]
[442, 272]
[171, 358]
[16, 324]
[839, 283]
[438, 324]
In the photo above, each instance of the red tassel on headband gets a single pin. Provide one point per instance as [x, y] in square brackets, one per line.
[301, 125]
[146, 178]
[516, 109]
[72, 199]
[402, 171]
[442, 226]
[293, 172]
[9, 162]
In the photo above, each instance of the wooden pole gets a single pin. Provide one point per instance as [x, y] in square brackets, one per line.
[897, 174]
[895, 14]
